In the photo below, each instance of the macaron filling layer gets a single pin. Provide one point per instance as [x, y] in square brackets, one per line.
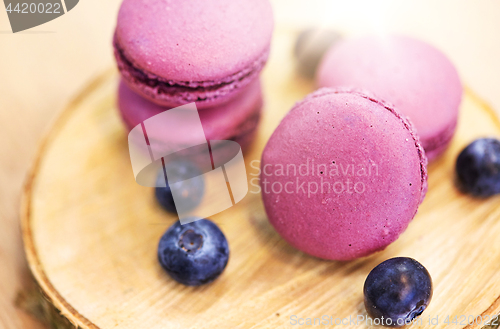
[171, 92]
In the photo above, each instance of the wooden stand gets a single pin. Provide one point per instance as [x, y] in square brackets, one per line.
[91, 232]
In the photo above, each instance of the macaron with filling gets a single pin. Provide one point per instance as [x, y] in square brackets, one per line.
[203, 51]
[417, 78]
[343, 174]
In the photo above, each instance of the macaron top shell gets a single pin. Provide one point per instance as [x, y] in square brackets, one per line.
[342, 175]
[417, 78]
[195, 41]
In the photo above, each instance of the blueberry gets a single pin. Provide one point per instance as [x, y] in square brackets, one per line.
[195, 253]
[478, 167]
[397, 291]
[191, 190]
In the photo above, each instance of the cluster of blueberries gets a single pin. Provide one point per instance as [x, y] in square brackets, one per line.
[398, 288]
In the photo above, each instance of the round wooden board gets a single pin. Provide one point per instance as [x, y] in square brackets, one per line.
[91, 232]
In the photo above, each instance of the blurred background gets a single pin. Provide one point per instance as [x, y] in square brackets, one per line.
[41, 69]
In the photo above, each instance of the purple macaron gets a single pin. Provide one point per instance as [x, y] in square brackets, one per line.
[235, 120]
[414, 76]
[203, 51]
[342, 175]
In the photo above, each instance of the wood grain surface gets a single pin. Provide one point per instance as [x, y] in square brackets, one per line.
[91, 232]
[43, 68]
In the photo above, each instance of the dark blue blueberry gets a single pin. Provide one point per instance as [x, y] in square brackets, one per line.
[195, 253]
[397, 291]
[478, 167]
[164, 196]
[190, 190]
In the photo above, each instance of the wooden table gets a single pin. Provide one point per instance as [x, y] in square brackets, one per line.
[53, 61]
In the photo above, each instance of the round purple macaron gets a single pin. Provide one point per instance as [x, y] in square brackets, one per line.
[343, 175]
[235, 120]
[414, 76]
[203, 51]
